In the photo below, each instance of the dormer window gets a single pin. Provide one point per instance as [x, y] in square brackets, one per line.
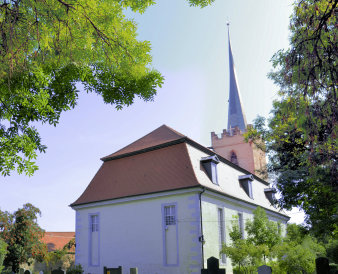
[270, 194]
[246, 184]
[210, 165]
[233, 158]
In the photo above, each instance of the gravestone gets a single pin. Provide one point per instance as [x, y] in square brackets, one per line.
[264, 269]
[322, 265]
[212, 267]
[58, 271]
[107, 270]
[133, 270]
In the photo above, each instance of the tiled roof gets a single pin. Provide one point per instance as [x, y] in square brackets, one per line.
[57, 240]
[153, 171]
[161, 135]
[163, 160]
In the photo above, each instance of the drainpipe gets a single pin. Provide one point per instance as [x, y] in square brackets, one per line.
[201, 238]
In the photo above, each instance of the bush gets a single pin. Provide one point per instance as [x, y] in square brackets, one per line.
[76, 269]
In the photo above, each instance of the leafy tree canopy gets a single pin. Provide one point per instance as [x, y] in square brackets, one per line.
[301, 135]
[22, 235]
[262, 236]
[47, 47]
[294, 253]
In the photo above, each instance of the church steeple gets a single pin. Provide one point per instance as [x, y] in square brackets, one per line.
[236, 116]
[230, 144]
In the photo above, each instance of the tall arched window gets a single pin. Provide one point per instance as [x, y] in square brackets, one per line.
[233, 158]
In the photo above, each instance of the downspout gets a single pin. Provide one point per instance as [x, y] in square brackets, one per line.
[201, 238]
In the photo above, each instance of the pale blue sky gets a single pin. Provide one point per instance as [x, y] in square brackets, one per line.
[189, 46]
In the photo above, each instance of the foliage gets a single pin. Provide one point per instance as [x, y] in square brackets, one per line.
[297, 252]
[47, 48]
[292, 254]
[71, 244]
[22, 234]
[248, 254]
[332, 250]
[76, 269]
[261, 231]
[294, 259]
[301, 137]
[3, 252]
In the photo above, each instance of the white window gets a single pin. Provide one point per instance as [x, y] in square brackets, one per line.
[250, 189]
[221, 233]
[241, 224]
[94, 223]
[169, 215]
[214, 173]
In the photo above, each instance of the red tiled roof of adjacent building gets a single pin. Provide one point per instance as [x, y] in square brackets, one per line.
[57, 240]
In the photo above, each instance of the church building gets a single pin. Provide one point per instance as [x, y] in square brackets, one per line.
[165, 203]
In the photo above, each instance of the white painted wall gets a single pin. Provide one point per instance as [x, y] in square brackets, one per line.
[210, 204]
[131, 235]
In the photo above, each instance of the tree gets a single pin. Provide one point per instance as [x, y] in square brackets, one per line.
[262, 236]
[22, 235]
[294, 253]
[3, 252]
[47, 48]
[301, 136]
[261, 231]
[297, 252]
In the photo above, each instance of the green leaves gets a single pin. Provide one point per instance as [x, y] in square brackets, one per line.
[22, 234]
[47, 47]
[301, 134]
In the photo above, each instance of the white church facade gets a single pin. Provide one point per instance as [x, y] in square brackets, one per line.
[164, 203]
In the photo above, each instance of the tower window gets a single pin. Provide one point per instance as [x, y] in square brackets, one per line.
[233, 158]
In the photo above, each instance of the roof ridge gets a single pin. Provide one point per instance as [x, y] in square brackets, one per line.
[158, 136]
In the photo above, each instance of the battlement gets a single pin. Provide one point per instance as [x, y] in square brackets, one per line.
[228, 133]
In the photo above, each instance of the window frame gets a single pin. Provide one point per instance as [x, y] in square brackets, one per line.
[221, 233]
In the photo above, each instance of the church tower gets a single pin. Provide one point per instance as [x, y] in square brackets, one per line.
[231, 144]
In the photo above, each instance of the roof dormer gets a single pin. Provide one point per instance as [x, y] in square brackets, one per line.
[210, 165]
[270, 194]
[246, 183]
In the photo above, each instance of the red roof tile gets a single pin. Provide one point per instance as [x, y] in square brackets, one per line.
[161, 135]
[57, 240]
[153, 171]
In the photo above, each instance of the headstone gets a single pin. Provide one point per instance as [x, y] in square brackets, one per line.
[58, 271]
[133, 270]
[107, 270]
[264, 269]
[212, 267]
[322, 265]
